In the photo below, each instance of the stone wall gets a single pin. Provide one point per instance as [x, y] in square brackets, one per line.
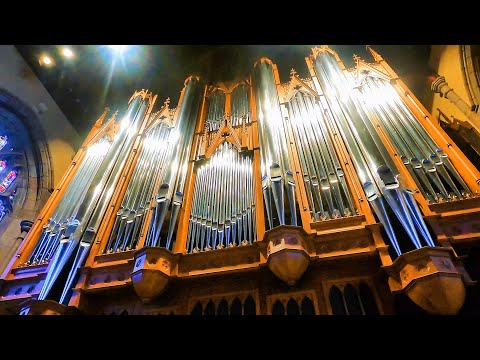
[52, 143]
[446, 60]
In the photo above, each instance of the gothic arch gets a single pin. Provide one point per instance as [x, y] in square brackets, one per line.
[307, 306]
[368, 300]
[222, 308]
[352, 300]
[249, 306]
[236, 307]
[278, 308]
[337, 301]
[292, 307]
[37, 179]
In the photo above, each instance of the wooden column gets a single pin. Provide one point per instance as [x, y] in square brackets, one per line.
[184, 216]
[257, 171]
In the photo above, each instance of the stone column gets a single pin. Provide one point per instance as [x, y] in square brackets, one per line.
[440, 85]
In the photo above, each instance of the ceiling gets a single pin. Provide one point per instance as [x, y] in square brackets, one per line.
[95, 78]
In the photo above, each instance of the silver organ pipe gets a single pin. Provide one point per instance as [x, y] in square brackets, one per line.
[173, 180]
[216, 110]
[240, 112]
[82, 229]
[151, 165]
[375, 168]
[69, 204]
[276, 172]
[429, 166]
[223, 206]
[327, 190]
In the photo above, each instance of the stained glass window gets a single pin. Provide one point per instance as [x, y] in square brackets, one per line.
[3, 165]
[11, 176]
[3, 141]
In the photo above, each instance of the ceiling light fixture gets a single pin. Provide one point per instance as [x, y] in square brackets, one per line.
[68, 53]
[46, 60]
[118, 48]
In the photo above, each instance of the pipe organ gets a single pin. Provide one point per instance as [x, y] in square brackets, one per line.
[343, 168]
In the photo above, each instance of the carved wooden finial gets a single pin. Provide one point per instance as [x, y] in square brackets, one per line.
[143, 93]
[167, 102]
[292, 73]
[114, 115]
[356, 58]
[376, 56]
[99, 122]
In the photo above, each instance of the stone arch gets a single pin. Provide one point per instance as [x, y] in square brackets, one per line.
[31, 156]
[292, 307]
[307, 306]
[278, 308]
[337, 301]
[197, 309]
[236, 307]
[39, 156]
[249, 307]
[353, 301]
[209, 309]
[222, 308]
[368, 300]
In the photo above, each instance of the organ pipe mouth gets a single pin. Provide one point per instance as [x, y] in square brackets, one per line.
[436, 159]
[387, 177]
[405, 160]
[370, 191]
[442, 154]
[415, 163]
[427, 164]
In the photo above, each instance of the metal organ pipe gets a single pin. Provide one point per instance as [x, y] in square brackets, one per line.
[376, 170]
[380, 97]
[216, 110]
[222, 207]
[240, 105]
[68, 205]
[171, 188]
[150, 166]
[323, 175]
[83, 227]
[276, 172]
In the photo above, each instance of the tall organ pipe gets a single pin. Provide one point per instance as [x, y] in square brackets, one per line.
[171, 189]
[315, 149]
[96, 199]
[69, 204]
[381, 98]
[149, 167]
[276, 172]
[375, 168]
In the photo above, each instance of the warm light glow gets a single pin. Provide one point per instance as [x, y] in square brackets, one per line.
[68, 53]
[46, 60]
[118, 48]
[99, 149]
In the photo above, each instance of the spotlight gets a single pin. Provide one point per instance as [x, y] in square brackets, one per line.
[68, 53]
[118, 48]
[46, 60]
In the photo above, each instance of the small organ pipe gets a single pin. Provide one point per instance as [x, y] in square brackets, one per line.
[223, 200]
